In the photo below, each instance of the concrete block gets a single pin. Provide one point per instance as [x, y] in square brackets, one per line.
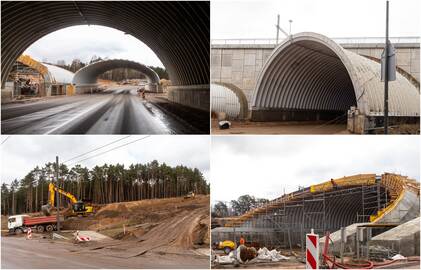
[226, 72]
[237, 65]
[195, 96]
[226, 60]
[402, 58]
[215, 73]
[259, 55]
[248, 83]
[249, 59]
[415, 66]
[249, 71]
[238, 54]
[227, 51]
[237, 76]
[415, 54]
[215, 60]
[266, 56]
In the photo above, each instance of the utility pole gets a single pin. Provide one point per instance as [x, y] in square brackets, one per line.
[58, 195]
[290, 23]
[277, 31]
[386, 73]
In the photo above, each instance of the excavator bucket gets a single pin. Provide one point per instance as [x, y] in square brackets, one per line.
[46, 209]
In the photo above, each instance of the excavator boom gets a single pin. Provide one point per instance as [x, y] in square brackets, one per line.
[46, 209]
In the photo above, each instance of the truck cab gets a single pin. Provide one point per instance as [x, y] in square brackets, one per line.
[15, 223]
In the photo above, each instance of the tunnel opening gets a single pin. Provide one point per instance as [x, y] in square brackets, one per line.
[305, 81]
[177, 32]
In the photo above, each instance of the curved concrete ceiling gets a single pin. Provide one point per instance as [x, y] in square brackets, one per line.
[90, 73]
[178, 32]
[234, 91]
[311, 72]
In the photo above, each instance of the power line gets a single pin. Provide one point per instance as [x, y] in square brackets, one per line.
[5, 140]
[93, 150]
[109, 150]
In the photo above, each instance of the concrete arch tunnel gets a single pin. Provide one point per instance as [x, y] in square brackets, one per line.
[310, 77]
[328, 206]
[178, 33]
[88, 76]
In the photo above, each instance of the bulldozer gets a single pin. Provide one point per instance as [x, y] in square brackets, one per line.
[190, 195]
[78, 207]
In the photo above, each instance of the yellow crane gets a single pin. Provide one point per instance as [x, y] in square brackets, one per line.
[78, 207]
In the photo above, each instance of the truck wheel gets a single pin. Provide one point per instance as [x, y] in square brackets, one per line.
[49, 228]
[18, 231]
[227, 250]
[55, 227]
[40, 229]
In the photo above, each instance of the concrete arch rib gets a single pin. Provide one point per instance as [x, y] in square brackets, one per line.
[309, 73]
[178, 32]
[241, 98]
[89, 74]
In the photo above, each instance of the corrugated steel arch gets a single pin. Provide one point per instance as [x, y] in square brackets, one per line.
[242, 99]
[178, 32]
[90, 73]
[309, 71]
[341, 208]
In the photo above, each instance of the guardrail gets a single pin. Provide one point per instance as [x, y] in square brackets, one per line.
[340, 40]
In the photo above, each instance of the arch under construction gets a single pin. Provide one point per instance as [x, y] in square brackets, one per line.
[364, 198]
[87, 77]
[178, 33]
[310, 77]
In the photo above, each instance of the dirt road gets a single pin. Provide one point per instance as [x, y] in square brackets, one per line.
[247, 127]
[17, 252]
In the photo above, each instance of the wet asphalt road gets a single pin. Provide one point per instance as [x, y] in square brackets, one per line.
[120, 111]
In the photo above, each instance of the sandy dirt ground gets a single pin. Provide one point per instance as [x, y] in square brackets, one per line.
[247, 127]
[160, 233]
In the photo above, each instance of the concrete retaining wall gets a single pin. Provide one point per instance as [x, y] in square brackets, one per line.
[195, 96]
[405, 238]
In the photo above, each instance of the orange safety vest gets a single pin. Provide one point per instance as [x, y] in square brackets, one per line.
[242, 241]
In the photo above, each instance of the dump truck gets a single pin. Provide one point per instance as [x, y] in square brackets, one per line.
[21, 223]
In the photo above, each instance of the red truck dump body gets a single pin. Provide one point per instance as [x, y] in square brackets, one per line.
[32, 221]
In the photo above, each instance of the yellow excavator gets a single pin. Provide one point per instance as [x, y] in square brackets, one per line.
[78, 207]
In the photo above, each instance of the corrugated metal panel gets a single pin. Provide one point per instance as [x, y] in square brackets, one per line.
[59, 75]
[177, 31]
[311, 72]
[90, 73]
[225, 100]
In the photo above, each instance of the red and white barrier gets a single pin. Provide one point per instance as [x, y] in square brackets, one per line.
[312, 250]
[29, 234]
[81, 238]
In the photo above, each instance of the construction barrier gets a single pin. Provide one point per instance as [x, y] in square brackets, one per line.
[81, 238]
[29, 234]
[312, 250]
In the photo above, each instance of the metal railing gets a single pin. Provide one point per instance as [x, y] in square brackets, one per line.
[340, 40]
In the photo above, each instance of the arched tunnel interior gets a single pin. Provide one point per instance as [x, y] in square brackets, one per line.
[178, 32]
[305, 81]
[87, 76]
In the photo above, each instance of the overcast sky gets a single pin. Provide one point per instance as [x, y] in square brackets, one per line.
[84, 41]
[20, 154]
[332, 18]
[264, 166]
